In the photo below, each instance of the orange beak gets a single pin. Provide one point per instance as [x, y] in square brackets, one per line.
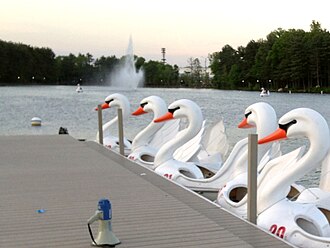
[277, 135]
[103, 106]
[165, 117]
[244, 124]
[139, 111]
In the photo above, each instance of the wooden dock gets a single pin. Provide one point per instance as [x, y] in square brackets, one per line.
[65, 178]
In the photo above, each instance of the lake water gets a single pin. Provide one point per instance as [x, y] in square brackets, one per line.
[62, 106]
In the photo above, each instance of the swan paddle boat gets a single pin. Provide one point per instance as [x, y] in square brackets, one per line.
[264, 92]
[302, 224]
[148, 141]
[233, 196]
[110, 141]
[165, 164]
[79, 89]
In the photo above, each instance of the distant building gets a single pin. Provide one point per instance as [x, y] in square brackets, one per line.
[184, 70]
[204, 71]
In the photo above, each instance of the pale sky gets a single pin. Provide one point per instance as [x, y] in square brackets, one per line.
[186, 28]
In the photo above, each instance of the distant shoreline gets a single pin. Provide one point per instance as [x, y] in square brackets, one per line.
[287, 91]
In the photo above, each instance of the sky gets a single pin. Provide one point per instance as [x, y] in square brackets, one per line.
[185, 28]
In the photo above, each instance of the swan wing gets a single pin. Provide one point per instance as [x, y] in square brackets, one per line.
[325, 173]
[273, 152]
[215, 141]
[264, 160]
[191, 148]
[236, 163]
[275, 179]
[166, 133]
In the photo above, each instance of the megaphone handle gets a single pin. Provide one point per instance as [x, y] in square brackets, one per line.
[91, 233]
[92, 219]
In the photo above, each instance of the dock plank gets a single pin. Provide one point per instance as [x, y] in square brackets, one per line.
[66, 178]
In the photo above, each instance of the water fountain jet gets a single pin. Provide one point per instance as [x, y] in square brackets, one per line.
[126, 76]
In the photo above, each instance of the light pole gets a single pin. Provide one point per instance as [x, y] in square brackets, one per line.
[206, 76]
[205, 62]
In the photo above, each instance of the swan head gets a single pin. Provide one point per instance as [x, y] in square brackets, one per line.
[151, 104]
[254, 114]
[183, 108]
[301, 122]
[115, 100]
[262, 116]
[119, 101]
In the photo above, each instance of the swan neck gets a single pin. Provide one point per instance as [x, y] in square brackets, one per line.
[166, 152]
[325, 174]
[144, 137]
[107, 125]
[309, 161]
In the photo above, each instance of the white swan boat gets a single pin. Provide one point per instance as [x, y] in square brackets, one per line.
[264, 92]
[148, 141]
[111, 141]
[165, 164]
[79, 89]
[302, 224]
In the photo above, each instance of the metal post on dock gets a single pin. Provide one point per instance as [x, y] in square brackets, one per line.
[252, 178]
[121, 131]
[99, 112]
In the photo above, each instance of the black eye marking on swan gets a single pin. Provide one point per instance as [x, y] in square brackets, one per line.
[287, 125]
[143, 104]
[247, 114]
[108, 102]
[172, 110]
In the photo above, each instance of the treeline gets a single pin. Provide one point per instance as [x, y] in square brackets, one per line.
[286, 59]
[23, 64]
[292, 59]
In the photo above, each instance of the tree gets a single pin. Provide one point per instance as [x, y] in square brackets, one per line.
[248, 55]
[158, 74]
[319, 52]
[221, 63]
[67, 71]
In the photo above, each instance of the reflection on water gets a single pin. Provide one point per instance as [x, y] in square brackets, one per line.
[62, 106]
